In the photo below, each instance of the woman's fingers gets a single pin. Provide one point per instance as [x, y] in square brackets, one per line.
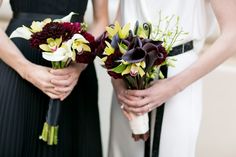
[138, 93]
[57, 84]
[66, 89]
[64, 71]
[140, 110]
[52, 96]
[134, 102]
[127, 115]
[65, 96]
[61, 83]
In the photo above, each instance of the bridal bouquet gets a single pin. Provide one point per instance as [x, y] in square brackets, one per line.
[136, 57]
[61, 42]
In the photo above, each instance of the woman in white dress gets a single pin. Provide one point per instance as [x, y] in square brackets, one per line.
[181, 91]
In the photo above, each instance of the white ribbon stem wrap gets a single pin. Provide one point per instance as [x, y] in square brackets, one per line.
[139, 124]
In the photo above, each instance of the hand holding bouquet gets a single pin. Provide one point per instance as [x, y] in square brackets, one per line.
[136, 57]
[61, 42]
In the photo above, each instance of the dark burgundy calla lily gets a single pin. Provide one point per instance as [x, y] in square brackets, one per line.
[136, 42]
[114, 42]
[156, 53]
[134, 55]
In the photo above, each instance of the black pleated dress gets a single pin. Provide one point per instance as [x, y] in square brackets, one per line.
[23, 107]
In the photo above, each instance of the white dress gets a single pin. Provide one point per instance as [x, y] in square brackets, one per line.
[182, 113]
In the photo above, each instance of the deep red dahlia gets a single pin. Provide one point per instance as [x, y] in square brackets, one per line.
[55, 30]
[87, 36]
[85, 57]
[113, 59]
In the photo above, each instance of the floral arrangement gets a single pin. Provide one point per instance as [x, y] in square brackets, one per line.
[136, 57]
[61, 42]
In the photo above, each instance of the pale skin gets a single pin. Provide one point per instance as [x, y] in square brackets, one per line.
[143, 101]
[57, 84]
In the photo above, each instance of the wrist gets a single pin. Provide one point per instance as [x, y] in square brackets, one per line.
[176, 84]
[81, 67]
[24, 69]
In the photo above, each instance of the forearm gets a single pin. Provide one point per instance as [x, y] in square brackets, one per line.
[118, 14]
[12, 56]
[223, 48]
[97, 28]
[100, 17]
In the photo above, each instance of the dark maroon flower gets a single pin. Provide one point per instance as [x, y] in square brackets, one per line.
[115, 75]
[87, 36]
[100, 44]
[85, 57]
[162, 54]
[113, 60]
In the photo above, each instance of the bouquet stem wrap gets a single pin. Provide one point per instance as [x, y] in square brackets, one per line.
[139, 124]
[50, 127]
[140, 127]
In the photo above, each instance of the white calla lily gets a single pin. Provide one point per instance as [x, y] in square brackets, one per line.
[80, 43]
[21, 32]
[61, 54]
[79, 37]
[66, 18]
[71, 53]
[72, 46]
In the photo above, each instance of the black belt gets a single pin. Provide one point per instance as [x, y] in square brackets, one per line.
[42, 16]
[181, 49]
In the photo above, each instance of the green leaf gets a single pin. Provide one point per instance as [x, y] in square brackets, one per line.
[120, 68]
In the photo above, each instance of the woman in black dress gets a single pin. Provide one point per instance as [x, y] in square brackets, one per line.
[27, 82]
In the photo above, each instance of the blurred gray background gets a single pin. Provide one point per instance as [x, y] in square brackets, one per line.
[218, 129]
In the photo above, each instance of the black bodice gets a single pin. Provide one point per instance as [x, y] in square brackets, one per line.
[59, 7]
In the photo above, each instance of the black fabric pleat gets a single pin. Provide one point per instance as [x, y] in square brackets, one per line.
[147, 143]
[23, 107]
[158, 121]
[157, 127]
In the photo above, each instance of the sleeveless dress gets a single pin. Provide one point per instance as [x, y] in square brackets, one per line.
[23, 107]
[182, 113]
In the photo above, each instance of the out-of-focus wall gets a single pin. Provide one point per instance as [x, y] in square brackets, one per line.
[218, 130]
